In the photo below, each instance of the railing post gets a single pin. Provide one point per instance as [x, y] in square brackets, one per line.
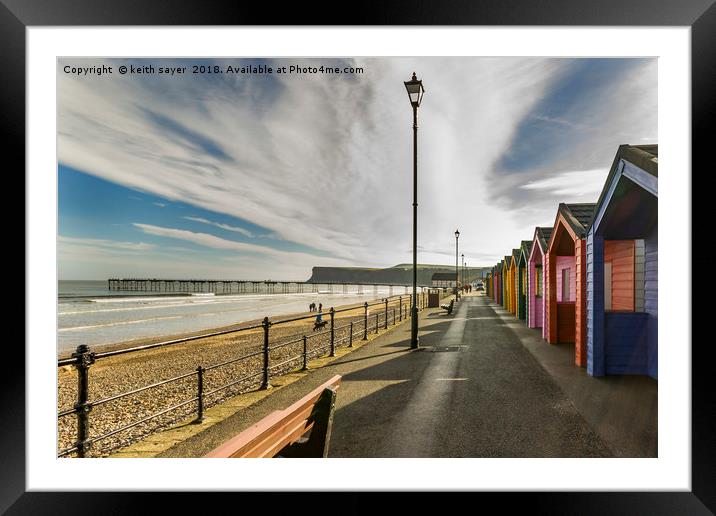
[350, 336]
[85, 358]
[305, 354]
[200, 394]
[386, 313]
[365, 321]
[393, 316]
[333, 337]
[376, 322]
[400, 301]
[265, 381]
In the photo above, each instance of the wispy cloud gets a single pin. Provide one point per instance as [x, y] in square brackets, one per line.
[327, 161]
[582, 183]
[214, 242]
[160, 204]
[227, 227]
[106, 244]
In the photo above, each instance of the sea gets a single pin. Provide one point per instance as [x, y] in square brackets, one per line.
[89, 313]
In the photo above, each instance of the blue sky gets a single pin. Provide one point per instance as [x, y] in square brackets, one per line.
[266, 176]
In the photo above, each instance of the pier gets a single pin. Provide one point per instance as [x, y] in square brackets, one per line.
[248, 286]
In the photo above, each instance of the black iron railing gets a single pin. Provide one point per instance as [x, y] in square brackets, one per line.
[259, 366]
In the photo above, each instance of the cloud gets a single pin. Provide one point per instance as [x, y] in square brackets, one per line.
[227, 227]
[86, 258]
[577, 184]
[160, 204]
[214, 242]
[64, 241]
[326, 161]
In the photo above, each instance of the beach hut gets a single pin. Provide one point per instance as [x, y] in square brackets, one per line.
[506, 282]
[500, 283]
[492, 283]
[488, 284]
[622, 268]
[522, 279]
[565, 279]
[514, 258]
[535, 279]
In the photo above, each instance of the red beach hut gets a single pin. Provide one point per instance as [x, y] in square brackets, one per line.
[565, 282]
[506, 282]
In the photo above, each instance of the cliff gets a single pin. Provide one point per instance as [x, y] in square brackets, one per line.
[398, 275]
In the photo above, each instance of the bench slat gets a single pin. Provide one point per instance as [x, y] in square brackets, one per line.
[276, 437]
[277, 430]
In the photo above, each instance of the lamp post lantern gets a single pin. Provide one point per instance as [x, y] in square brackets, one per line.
[457, 290]
[415, 94]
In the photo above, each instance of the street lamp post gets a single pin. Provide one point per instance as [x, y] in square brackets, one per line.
[457, 292]
[415, 93]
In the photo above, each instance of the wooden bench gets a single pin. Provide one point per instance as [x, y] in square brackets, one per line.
[283, 432]
[448, 307]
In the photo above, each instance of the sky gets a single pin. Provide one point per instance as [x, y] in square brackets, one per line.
[264, 176]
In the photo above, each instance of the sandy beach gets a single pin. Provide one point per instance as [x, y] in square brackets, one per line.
[118, 374]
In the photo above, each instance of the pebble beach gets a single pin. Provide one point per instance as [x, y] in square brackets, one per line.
[118, 374]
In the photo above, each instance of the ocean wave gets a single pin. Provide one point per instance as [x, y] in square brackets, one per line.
[119, 323]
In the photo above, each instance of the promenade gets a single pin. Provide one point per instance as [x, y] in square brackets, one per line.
[481, 385]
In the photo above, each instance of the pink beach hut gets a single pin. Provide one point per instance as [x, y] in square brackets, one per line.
[535, 279]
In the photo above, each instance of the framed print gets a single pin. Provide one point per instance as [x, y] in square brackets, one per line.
[422, 239]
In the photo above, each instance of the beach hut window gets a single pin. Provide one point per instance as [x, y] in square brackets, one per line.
[639, 275]
[538, 271]
[607, 285]
[565, 285]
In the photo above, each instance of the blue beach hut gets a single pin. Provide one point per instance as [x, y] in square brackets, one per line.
[622, 268]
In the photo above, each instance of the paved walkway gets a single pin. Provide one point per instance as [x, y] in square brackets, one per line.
[476, 388]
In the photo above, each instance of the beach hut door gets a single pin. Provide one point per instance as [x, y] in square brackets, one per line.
[607, 285]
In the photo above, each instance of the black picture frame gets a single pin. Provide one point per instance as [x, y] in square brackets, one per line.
[700, 15]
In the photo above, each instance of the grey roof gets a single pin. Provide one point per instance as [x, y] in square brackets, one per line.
[506, 261]
[578, 216]
[525, 249]
[543, 235]
[646, 157]
[515, 256]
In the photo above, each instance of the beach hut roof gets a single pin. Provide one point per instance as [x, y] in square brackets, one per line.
[506, 261]
[578, 216]
[515, 256]
[543, 235]
[646, 157]
[525, 249]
